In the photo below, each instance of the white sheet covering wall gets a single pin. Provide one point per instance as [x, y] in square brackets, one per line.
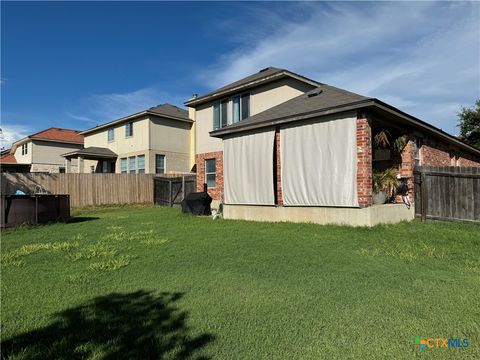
[248, 169]
[319, 163]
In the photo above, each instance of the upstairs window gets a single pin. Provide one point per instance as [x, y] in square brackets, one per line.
[111, 135]
[24, 149]
[129, 129]
[240, 109]
[245, 109]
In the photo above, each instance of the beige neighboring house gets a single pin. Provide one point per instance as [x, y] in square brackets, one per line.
[42, 151]
[157, 140]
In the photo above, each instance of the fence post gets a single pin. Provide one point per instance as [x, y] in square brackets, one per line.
[183, 187]
[170, 197]
[424, 195]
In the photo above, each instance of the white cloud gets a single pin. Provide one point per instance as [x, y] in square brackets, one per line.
[12, 133]
[419, 56]
[98, 109]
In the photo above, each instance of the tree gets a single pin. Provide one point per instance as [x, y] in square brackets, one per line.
[469, 124]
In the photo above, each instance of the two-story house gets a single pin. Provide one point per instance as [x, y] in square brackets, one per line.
[42, 151]
[156, 140]
[278, 146]
[231, 104]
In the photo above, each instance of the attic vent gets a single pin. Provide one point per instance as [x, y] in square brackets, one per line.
[314, 93]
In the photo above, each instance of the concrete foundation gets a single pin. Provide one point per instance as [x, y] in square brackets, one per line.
[370, 216]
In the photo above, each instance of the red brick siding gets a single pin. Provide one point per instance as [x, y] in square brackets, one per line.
[435, 153]
[407, 163]
[364, 165]
[217, 192]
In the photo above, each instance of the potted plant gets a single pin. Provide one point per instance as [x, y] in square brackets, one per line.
[385, 183]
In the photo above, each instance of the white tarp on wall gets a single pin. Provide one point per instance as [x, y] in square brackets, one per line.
[319, 162]
[248, 169]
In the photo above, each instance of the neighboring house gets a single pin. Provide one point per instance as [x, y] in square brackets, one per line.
[304, 150]
[157, 140]
[41, 152]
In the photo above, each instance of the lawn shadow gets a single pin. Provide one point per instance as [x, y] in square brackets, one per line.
[138, 325]
[78, 219]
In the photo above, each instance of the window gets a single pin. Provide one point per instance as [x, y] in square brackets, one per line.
[240, 107]
[159, 164]
[216, 115]
[224, 113]
[123, 165]
[210, 173]
[25, 149]
[111, 135]
[129, 129]
[240, 110]
[141, 164]
[245, 106]
[131, 165]
[61, 169]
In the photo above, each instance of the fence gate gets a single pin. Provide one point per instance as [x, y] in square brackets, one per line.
[171, 190]
[447, 193]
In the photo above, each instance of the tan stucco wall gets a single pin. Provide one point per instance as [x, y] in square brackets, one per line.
[261, 99]
[24, 159]
[121, 144]
[151, 135]
[373, 215]
[46, 152]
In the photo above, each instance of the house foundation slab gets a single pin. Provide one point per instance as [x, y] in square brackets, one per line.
[370, 216]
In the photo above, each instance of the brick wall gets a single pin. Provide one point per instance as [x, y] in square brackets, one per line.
[217, 192]
[406, 165]
[364, 165]
[436, 153]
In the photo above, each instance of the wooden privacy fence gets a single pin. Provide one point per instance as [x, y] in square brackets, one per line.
[447, 193]
[84, 189]
[171, 190]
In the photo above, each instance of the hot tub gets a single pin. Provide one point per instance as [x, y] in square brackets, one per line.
[19, 210]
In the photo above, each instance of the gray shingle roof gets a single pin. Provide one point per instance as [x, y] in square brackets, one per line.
[167, 110]
[92, 151]
[321, 98]
[170, 110]
[264, 75]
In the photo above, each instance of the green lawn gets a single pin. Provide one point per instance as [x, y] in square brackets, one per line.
[154, 283]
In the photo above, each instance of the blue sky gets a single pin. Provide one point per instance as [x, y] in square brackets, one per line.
[76, 65]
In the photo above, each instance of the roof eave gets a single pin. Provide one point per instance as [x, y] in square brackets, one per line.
[113, 122]
[170, 117]
[305, 116]
[204, 99]
[425, 126]
[353, 106]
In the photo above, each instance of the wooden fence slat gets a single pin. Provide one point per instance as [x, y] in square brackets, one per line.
[447, 193]
[85, 189]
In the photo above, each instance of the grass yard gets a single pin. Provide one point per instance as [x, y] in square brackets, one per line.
[154, 283]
